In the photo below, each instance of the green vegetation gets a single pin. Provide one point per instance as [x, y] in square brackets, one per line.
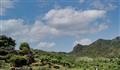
[99, 48]
[100, 55]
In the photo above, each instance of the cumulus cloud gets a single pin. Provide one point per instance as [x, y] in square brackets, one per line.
[12, 26]
[69, 21]
[32, 33]
[6, 4]
[83, 42]
[66, 21]
[17, 29]
[45, 45]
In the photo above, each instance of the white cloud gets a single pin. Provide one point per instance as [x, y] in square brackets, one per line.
[23, 32]
[82, 1]
[40, 30]
[6, 4]
[107, 5]
[12, 26]
[99, 28]
[45, 45]
[62, 22]
[69, 21]
[83, 42]
[66, 21]
[32, 33]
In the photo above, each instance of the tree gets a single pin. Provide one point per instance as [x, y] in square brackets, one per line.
[6, 42]
[24, 48]
[24, 45]
[7, 45]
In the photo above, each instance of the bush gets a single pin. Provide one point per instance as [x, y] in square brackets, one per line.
[18, 61]
[84, 59]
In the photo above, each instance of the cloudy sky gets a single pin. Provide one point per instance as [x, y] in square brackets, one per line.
[58, 25]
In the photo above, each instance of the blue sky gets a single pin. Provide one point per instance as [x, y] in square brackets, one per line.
[58, 25]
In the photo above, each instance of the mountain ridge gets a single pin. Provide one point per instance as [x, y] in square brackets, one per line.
[101, 47]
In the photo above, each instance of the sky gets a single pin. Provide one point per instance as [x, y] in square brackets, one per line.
[58, 25]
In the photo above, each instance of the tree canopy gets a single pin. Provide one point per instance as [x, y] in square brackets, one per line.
[24, 45]
[6, 42]
[7, 45]
[24, 48]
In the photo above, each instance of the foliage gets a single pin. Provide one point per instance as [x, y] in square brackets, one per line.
[101, 55]
[7, 42]
[24, 48]
[7, 45]
[24, 45]
[99, 48]
[18, 60]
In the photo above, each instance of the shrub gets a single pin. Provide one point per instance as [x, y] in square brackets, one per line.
[18, 61]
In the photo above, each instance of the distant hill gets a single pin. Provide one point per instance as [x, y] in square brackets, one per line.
[101, 47]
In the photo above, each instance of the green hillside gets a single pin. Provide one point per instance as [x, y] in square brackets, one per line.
[101, 47]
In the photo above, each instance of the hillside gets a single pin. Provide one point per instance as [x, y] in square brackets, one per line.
[101, 47]
[27, 58]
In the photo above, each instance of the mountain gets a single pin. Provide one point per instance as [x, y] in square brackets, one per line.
[101, 47]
